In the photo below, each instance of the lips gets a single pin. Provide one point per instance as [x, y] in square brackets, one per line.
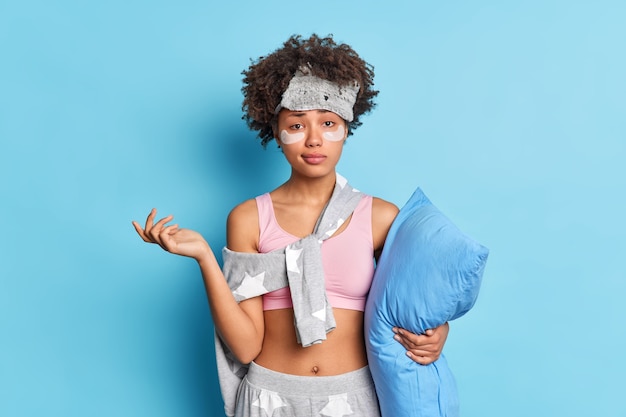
[314, 158]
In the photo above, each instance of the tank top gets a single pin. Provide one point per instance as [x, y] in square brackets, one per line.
[347, 258]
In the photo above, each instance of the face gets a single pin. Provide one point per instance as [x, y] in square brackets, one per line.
[312, 140]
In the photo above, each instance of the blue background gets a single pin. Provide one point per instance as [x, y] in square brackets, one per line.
[509, 115]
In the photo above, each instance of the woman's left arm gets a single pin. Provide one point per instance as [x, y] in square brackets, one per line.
[425, 348]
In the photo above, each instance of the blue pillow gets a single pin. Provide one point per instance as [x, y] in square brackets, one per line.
[428, 273]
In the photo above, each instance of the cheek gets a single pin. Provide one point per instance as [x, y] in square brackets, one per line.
[289, 138]
[337, 135]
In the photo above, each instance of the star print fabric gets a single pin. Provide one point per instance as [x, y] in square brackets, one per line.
[264, 392]
[298, 266]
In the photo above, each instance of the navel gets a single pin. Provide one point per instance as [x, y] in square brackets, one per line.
[315, 370]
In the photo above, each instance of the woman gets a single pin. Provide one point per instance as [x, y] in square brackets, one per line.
[307, 96]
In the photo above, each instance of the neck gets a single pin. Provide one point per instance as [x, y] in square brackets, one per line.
[314, 190]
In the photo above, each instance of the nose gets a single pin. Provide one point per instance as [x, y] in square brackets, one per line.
[314, 138]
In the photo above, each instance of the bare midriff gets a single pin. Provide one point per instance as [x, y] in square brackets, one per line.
[342, 351]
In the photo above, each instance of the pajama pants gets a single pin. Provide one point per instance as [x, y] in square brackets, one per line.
[267, 393]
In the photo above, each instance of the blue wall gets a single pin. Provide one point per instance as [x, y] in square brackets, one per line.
[510, 116]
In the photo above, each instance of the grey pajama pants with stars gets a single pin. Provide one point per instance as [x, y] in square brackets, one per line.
[266, 393]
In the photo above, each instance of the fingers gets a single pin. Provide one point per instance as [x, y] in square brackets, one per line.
[422, 360]
[416, 342]
[140, 232]
[150, 219]
[155, 231]
[165, 237]
[423, 349]
[152, 232]
[171, 237]
[412, 340]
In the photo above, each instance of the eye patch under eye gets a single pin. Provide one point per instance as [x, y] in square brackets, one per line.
[335, 136]
[289, 138]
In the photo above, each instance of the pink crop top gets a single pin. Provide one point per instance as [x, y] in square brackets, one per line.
[348, 258]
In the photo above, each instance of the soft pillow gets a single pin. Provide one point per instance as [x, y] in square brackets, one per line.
[429, 273]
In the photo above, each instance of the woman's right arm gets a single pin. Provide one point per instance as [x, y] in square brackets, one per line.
[239, 324]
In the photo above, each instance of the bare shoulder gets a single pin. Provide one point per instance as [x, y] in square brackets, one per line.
[384, 209]
[242, 227]
[383, 214]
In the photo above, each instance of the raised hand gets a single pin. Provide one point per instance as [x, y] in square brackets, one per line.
[173, 239]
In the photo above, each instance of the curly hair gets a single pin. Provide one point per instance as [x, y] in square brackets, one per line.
[267, 78]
